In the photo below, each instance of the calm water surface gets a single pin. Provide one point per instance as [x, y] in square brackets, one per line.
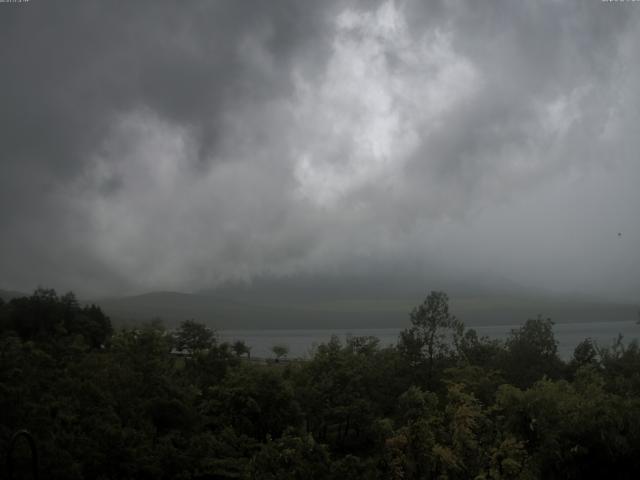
[301, 343]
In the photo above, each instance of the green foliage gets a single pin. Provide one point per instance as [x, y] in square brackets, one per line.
[280, 351]
[142, 403]
[192, 337]
[340, 391]
[427, 344]
[257, 402]
[290, 458]
[532, 353]
[622, 364]
[585, 353]
[478, 351]
[44, 315]
[240, 348]
[573, 430]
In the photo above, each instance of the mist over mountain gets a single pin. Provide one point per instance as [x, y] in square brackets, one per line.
[303, 302]
[7, 295]
[216, 142]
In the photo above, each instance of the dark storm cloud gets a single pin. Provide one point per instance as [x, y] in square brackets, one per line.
[531, 57]
[179, 144]
[70, 68]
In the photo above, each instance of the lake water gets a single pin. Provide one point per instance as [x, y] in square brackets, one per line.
[301, 342]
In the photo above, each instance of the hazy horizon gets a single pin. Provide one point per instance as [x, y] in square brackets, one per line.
[169, 146]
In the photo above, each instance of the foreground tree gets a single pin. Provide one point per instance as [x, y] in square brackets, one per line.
[193, 337]
[532, 352]
[44, 315]
[431, 336]
[290, 458]
[240, 348]
[280, 351]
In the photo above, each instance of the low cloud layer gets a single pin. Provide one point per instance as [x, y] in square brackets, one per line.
[178, 145]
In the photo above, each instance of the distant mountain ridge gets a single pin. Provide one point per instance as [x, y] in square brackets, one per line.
[7, 295]
[250, 308]
[337, 303]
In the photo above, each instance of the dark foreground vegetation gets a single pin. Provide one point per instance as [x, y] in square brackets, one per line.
[443, 403]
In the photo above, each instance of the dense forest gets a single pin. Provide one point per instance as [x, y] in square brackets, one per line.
[148, 403]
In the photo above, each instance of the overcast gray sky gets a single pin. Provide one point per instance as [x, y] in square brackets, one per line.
[175, 145]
